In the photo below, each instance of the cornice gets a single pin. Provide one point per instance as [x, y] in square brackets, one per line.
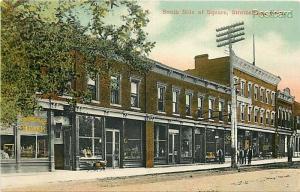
[255, 71]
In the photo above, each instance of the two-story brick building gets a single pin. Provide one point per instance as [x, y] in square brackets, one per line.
[164, 117]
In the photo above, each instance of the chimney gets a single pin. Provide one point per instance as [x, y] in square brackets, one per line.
[201, 60]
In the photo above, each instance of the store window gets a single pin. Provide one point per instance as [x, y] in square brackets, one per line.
[200, 107]
[90, 137]
[188, 100]
[134, 93]
[175, 101]
[161, 98]
[160, 142]
[133, 140]
[115, 89]
[34, 146]
[7, 146]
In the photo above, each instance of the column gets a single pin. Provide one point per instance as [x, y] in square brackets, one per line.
[167, 142]
[193, 144]
[204, 145]
[180, 143]
[122, 143]
[50, 123]
[149, 144]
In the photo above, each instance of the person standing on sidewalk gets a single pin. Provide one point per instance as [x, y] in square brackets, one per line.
[250, 155]
[241, 159]
[220, 155]
[245, 156]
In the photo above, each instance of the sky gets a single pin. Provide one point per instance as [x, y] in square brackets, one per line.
[180, 35]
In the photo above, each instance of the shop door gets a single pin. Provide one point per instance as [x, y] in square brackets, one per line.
[112, 148]
[59, 156]
[173, 146]
[198, 148]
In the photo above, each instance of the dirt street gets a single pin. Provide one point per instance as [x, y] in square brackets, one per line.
[254, 180]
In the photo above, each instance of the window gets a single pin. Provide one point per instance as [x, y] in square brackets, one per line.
[272, 118]
[262, 93]
[268, 117]
[160, 142]
[7, 146]
[200, 107]
[242, 112]
[221, 110]
[255, 92]
[161, 98]
[261, 116]
[249, 90]
[210, 108]
[92, 87]
[134, 95]
[242, 88]
[188, 100]
[34, 146]
[273, 98]
[255, 115]
[267, 97]
[249, 113]
[90, 137]
[115, 89]
[133, 140]
[175, 101]
[229, 112]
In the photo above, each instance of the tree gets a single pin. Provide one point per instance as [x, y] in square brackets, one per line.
[39, 47]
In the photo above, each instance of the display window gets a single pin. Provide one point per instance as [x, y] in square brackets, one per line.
[34, 146]
[133, 141]
[7, 147]
[160, 142]
[90, 137]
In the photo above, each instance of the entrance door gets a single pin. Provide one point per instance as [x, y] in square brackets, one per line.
[173, 146]
[112, 148]
[59, 156]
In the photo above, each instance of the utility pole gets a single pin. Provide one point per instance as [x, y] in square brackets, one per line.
[227, 36]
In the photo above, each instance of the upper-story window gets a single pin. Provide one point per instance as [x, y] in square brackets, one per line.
[115, 89]
[161, 91]
[262, 93]
[242, 88]
[272, 118]
[134, 95]
[261, 116]
[210, 108]
[200, 107]
[229, 112]
[242, 112]
[249, 113]
[92, 87]
[256, 115]
[188, 101]
[249, 89]
[273, 98]
[255, 92]
[267, 96]
[267, 117]
[175, 101]
[221, 110]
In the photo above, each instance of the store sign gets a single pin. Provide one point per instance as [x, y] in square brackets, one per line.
[33, 124]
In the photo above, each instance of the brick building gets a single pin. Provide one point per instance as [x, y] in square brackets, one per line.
[166, 116]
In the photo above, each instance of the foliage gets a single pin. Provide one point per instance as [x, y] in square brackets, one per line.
[39, 48]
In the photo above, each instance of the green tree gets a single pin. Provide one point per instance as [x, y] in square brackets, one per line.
[38, 48]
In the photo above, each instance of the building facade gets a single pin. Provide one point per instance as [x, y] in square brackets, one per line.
[164, 117]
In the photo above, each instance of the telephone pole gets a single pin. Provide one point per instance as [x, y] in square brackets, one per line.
[227, 36]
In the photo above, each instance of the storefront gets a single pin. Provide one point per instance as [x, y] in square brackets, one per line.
[24, 146]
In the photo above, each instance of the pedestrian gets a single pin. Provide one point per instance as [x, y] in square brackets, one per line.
[245, 156]
[241, 156]
[250, 153]
[220, 155]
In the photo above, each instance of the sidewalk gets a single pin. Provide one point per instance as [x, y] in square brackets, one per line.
[28, 179]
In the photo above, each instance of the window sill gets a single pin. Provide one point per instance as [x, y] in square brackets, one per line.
[116, 105]
[95, 101]
[188, 116]
[135, 108]
[221, 121]
[200, 118]
[176, 114]
[66, 97]
[211, 120]
[161, 112]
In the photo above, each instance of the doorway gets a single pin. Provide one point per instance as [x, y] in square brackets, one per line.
[173, 146]
[59, 156]
[112, 147]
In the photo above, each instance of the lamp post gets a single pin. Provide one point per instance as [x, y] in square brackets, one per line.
[227, 36]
